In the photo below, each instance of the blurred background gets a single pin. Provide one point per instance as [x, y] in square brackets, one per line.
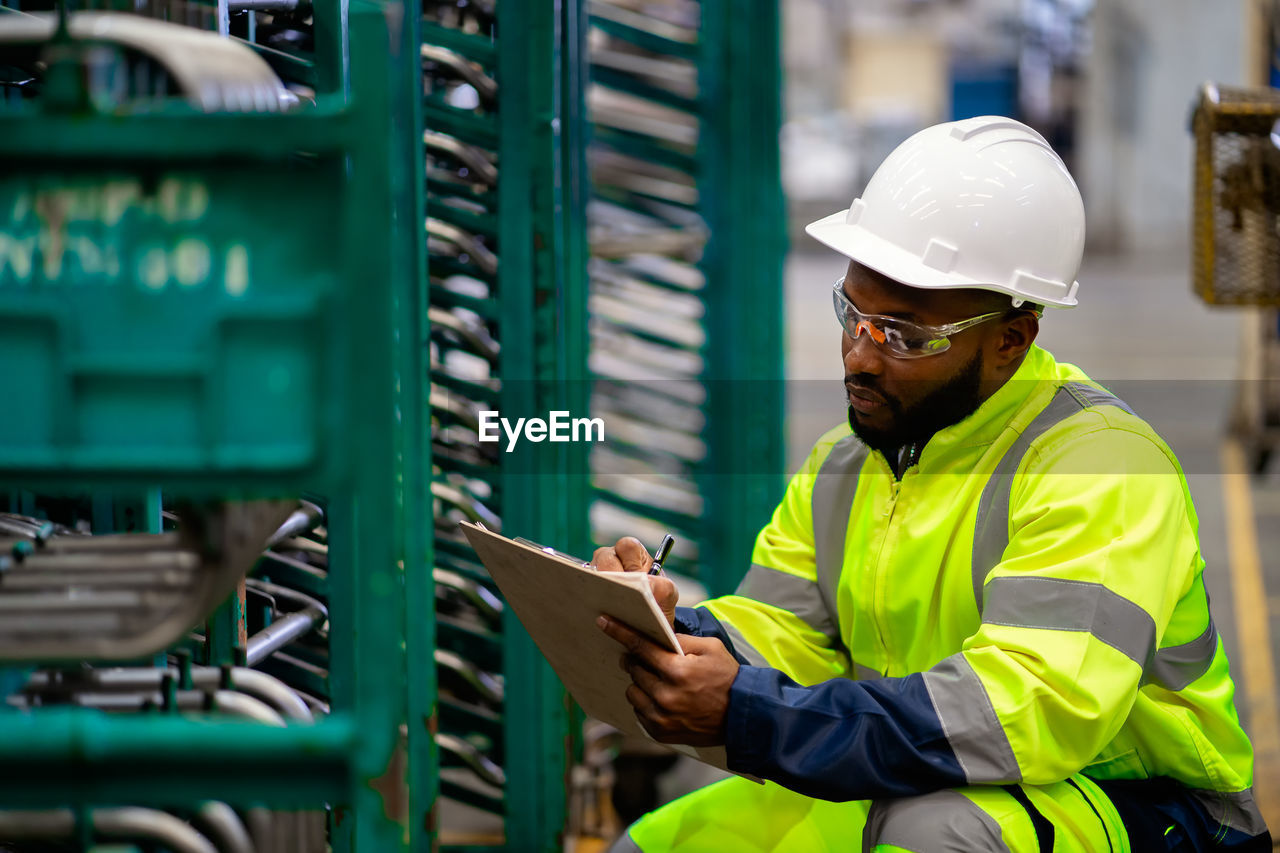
[263, 263]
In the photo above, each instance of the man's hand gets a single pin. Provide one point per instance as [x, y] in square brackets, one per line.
[631, 556]
[677, 698]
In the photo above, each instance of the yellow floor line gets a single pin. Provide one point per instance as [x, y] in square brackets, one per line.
[1255, 667]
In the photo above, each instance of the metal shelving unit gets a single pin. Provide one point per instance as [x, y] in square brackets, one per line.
[687, 237]
[507, 302]
[221, 324]
[270, 315]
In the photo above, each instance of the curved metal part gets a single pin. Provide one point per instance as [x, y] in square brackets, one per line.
[148, 680]
[317, 572]
[477, 595]
[476, 336]
[216, 74]
[286, 593]
[465, 242]
[131, 600]
[475, 159]
[152, 825]
[221, 823]
[281, 633]
[486, 87]
[280, 696]
[487, 686]
[246, 707]
[472, 758]
[30, 824]
[454, 406]
[307, 517]
[472, 509]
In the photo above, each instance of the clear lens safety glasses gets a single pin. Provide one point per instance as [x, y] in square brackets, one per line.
[899, 338]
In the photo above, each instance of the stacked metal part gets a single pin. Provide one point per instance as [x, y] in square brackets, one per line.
[462, 173]
[71, 592]
[161, 49]
[99, 585]
[647, 235]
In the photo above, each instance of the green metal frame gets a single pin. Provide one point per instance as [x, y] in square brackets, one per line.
[374, 474]
[735, 169]
[740, 92]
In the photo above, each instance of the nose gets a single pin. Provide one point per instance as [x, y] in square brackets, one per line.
[861, 354]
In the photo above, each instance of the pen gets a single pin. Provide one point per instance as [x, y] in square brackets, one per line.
[664, 548]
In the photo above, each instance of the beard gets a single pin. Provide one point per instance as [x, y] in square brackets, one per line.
[916, 422]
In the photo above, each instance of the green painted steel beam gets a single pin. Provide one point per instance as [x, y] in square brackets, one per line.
[740, 86]
[414, 426]
[476, 223]
[542, 289]
[177, 134]
[76, 755]
[644, 38]
[628, 83]
[461, 123]
[477, 48]
[647, 149]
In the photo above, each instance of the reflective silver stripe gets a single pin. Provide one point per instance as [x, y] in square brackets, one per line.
[942, 821]
[1236, 810]
[832, 503]
[799, 596]
[742, 647]
[991, 530]
[970, 723]
[624, 844]
[1175, 667]
[866, 673]
[1066, 605]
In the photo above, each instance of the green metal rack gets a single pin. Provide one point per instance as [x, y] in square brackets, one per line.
[321, 303]
[505, 184]
[230, 316]
[688, 235]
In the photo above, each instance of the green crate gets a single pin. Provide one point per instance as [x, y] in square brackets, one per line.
[172, 325]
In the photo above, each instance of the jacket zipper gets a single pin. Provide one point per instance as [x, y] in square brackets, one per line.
[878, 569]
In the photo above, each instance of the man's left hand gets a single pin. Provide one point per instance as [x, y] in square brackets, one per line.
[677, 698]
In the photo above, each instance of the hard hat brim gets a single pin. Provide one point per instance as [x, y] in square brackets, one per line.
[859, 244]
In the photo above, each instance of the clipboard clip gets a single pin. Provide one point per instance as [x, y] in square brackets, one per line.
[586, 564]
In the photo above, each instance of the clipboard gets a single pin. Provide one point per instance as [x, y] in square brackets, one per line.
[557, 598]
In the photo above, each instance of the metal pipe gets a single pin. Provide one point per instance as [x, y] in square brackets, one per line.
[274, 692]
[307, 517]
[133, 822]
[243, 705]
[29, 825]
[281, 633]
[286, 593]
[224, 827]
[130, 822]
[88, 738]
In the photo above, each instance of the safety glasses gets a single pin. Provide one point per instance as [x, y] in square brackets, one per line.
[899, 338]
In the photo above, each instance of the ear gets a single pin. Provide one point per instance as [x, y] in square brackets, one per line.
[1014, 336]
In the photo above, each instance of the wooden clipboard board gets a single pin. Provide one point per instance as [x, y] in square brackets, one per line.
[557, 600]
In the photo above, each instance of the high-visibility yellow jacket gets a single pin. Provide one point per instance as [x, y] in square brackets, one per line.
[1025, 603]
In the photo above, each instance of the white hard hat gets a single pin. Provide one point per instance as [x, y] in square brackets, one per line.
[984, 203]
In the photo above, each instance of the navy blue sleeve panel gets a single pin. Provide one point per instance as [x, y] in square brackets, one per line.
[689, 621]
[698, 622]
[841, 739]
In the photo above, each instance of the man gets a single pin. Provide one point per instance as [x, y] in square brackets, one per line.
[976, 621]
